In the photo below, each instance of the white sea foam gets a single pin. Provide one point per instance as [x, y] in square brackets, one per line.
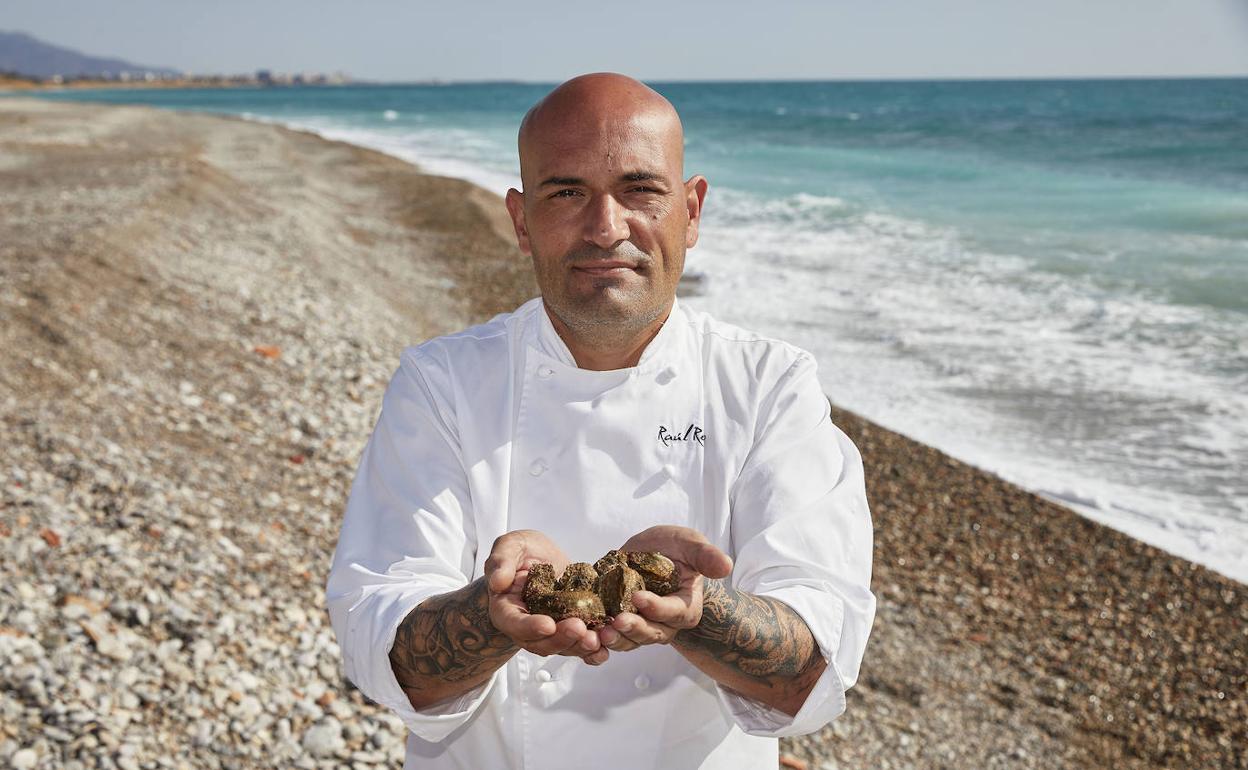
[1045, 379]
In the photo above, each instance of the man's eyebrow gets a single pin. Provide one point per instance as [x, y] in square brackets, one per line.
[563, 181]
[572, 181]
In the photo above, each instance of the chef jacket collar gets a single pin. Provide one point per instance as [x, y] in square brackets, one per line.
[654, 357]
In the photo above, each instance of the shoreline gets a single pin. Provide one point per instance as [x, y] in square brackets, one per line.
[221, 240]
[1142, 526]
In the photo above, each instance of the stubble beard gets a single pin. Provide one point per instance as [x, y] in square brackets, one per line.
[610, 316]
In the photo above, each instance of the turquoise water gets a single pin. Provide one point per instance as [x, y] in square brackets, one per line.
[1048, 279]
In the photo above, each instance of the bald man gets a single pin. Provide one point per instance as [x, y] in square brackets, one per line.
[599, 415]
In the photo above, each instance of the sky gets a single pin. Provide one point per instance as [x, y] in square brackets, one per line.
[407, 40]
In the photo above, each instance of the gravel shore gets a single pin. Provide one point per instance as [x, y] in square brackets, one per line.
[200, 315]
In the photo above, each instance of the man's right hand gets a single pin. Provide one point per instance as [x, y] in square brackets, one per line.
[506, 572]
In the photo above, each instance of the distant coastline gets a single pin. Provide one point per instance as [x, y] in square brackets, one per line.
[17, 82]
[22, 83]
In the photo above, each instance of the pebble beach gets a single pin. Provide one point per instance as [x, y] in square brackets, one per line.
[199, 316]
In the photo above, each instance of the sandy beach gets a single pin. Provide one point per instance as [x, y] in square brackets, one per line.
[200, 315]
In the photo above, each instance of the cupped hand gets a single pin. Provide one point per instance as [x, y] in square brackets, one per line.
[506, 572]
[659, 618]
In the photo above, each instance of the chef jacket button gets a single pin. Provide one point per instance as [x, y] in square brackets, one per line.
[666, 376]
[544, 371]
[670, 470]
[538, 467]
[642, 682]
[543, 676]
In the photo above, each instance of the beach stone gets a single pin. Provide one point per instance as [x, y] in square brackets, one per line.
[368, 757]
[202, 651]
[23, 759]
[353, 732]
[57, 734]
[113, 646]
[324, 739]
[127, 677]
[204, 731]
[248, 708]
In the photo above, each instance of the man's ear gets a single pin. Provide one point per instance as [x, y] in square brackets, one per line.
[515, 207]
[695, 194]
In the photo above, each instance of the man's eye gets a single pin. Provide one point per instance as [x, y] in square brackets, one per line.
[564, 194]
[644, 189]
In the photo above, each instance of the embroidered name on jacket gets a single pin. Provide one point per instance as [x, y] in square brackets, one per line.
[692, 433]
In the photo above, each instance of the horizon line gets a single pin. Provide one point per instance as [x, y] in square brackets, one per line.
[682, 81]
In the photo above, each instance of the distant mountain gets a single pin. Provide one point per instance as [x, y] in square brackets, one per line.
[29, 56]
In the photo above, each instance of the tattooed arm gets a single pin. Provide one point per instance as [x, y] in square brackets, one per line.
[455, 641]
[754, 645]
[447, 646]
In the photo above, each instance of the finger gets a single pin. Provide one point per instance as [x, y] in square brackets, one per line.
[539, 549]
[509, 615]
[566, 640]
[597, 658]
[687, 545]
[711, 561]
[614, 640]
[589, 642]
[641, 631]
[675, 610]
[521, 626]
[500, 567]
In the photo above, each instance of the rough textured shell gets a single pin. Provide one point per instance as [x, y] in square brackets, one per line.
[616, 587]
[579, 576]
[660, 573]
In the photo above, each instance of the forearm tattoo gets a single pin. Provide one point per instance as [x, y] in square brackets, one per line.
[448, 639]
[762, 638]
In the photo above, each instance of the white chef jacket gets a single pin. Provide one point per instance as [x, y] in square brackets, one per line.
[495, 428]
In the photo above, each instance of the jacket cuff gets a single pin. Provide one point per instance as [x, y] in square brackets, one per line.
[824, 614]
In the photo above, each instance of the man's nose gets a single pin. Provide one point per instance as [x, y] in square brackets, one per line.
[606, 223]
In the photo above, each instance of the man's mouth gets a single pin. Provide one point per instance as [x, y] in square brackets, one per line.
[605, 268]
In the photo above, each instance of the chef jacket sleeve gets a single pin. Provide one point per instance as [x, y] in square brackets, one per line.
[407, 535]
[801, 532]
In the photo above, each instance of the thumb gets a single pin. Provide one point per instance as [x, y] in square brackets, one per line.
[712, 562]
[500, 568]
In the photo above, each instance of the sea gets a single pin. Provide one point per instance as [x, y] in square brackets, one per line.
[1046, 279]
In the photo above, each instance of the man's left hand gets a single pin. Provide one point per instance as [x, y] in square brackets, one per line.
[658, 618]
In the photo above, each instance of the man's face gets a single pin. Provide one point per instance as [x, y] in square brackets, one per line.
[606, 217]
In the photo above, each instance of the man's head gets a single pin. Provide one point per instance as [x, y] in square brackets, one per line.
[601, 163]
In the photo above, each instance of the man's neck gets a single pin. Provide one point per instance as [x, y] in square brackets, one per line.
[604, 355]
